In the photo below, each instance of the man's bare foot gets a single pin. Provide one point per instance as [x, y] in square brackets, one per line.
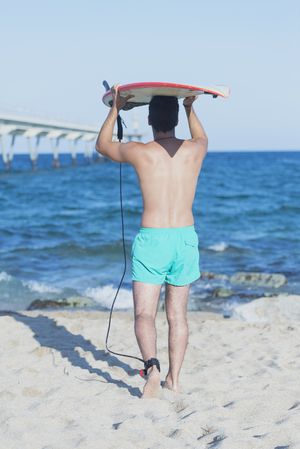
[151, 388]
[168, 384]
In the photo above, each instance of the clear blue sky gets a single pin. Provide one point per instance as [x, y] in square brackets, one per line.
[55, 54]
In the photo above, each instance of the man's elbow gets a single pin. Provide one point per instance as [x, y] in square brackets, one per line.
[202, 143]
[100, 148]
[202, 140]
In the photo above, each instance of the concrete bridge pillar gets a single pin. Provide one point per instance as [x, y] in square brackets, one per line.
[33, 149]
[89, 144]
[73, 137]
[4, 153]
[7, 151]
[55, 151]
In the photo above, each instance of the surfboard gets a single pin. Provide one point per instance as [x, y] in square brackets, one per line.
[143, 92]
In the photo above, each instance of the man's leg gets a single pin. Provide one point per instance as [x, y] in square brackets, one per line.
[146, 298]
[176, 308]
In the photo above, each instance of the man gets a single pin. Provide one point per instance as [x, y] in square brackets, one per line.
[165, 250]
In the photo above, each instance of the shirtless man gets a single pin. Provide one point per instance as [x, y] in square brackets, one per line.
[165, 250]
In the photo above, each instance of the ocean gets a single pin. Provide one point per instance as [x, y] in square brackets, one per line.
[60, 229]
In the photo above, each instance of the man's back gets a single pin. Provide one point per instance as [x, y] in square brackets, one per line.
[168, 171]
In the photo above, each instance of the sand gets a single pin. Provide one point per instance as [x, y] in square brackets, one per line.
[59, 389]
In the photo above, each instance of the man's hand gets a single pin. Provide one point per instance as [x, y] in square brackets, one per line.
[196, 128]
[188, 101]
[118, 101]
[116, 151]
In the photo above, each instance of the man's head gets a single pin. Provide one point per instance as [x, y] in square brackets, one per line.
[163, 113]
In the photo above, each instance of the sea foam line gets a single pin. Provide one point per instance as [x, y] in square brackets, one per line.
[5, 277]
[105, 295]
[221, 246]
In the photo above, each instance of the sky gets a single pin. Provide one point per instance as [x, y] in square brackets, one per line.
[55, 54]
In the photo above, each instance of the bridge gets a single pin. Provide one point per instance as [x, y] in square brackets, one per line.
[34, 129]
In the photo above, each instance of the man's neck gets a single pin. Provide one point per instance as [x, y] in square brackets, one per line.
[159, 135]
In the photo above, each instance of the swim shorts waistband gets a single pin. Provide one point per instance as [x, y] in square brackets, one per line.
[161, 230]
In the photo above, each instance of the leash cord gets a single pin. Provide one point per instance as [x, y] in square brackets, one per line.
[120, 136]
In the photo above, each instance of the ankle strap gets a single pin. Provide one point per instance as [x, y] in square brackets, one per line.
[150, 363]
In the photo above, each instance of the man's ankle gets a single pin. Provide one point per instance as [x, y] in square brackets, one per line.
[153, 369]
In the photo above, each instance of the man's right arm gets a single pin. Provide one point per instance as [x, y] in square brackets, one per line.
[197, 131]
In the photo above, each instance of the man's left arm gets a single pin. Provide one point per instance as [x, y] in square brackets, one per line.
[116, 151]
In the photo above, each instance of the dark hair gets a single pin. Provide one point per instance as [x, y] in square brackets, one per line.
[163, 112]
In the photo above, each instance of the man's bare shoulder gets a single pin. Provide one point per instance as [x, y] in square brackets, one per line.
[132, 150]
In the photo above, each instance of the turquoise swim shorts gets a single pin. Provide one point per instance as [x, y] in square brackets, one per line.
[166, 255]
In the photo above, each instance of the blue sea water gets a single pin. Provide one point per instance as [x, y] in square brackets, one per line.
[60, 229]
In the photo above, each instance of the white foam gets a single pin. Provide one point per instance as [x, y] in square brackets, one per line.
[5, 276]
[105, 296]
[222, 246]
[40, 287]
[269, 309]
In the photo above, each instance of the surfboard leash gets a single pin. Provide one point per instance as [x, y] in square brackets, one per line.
[152, 361]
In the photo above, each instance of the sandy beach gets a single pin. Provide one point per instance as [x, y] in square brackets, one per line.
[60, 389]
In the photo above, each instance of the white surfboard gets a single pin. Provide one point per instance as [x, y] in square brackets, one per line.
[143, 92]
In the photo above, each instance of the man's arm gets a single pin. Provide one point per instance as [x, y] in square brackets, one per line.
[116, 151]
[197, 131]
